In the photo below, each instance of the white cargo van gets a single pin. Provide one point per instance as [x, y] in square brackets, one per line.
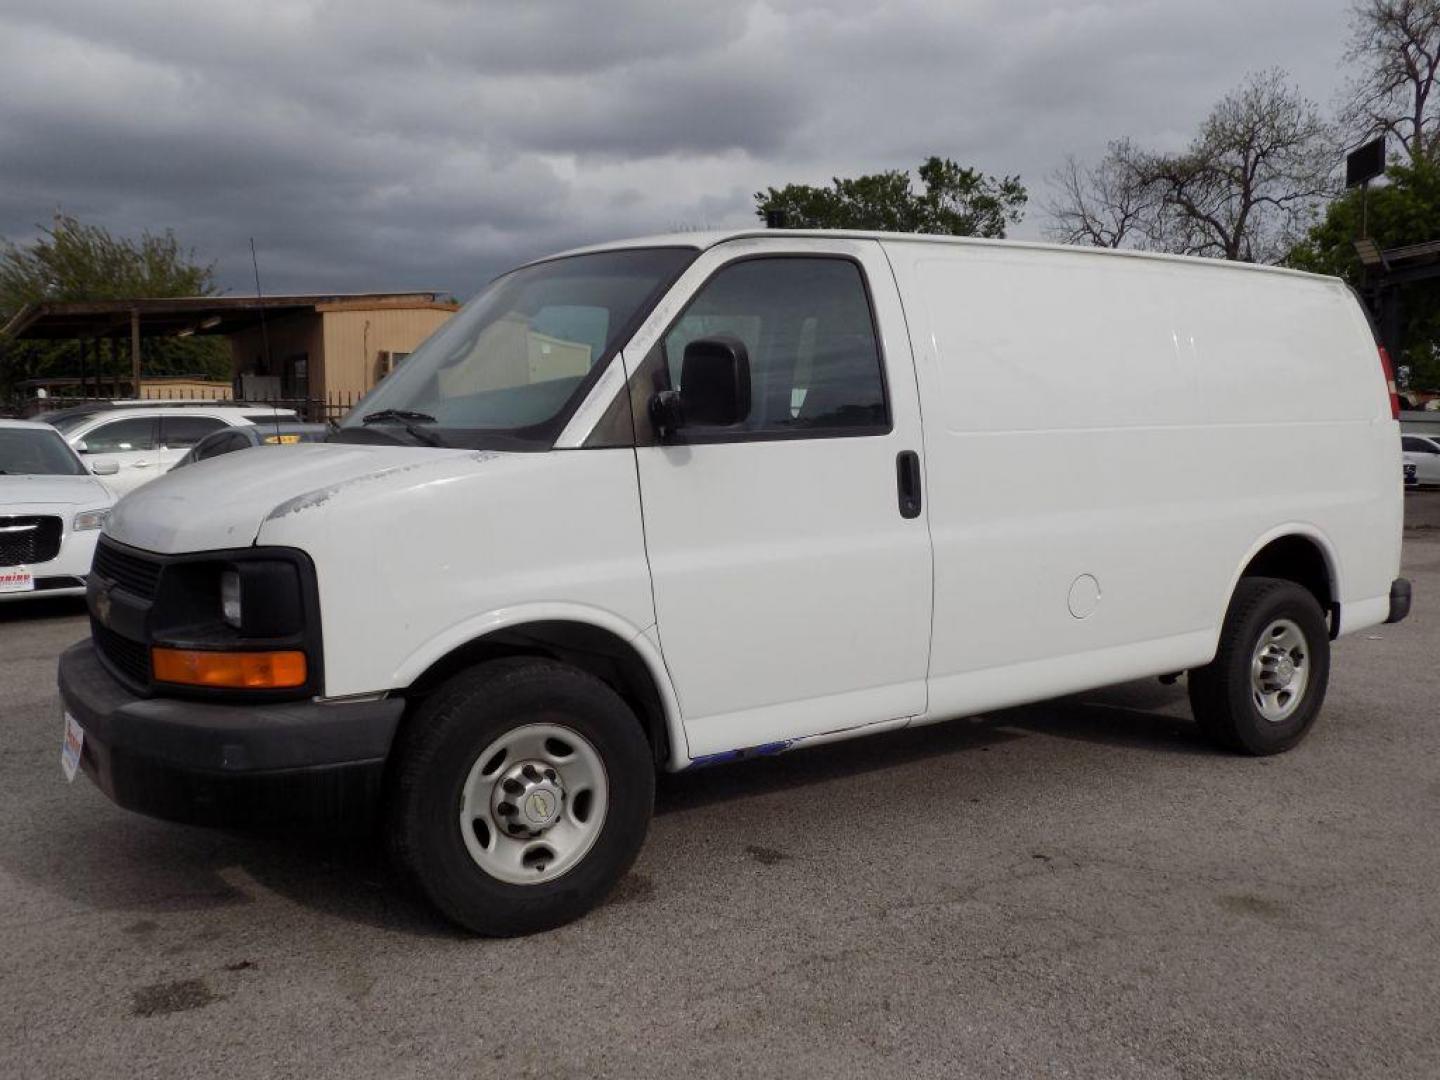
[691, 499]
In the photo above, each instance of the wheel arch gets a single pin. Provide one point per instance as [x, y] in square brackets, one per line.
[596, 642]
[1300, 553]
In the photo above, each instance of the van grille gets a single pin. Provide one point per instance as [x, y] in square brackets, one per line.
[26, 540]
[130, 658]
[134, 574]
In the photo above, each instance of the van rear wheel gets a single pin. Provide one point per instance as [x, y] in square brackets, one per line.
[522, 794]
[1262, 692]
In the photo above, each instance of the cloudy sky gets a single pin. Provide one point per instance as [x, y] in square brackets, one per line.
[430, 143]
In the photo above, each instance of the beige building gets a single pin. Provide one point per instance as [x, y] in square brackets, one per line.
[337, 347]
[326, 348]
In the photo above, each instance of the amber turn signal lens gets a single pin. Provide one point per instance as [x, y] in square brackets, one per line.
[240, 670]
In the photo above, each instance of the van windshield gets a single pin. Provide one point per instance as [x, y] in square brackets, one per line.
[509, 369]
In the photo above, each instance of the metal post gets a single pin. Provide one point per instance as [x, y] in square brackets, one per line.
[135, 351]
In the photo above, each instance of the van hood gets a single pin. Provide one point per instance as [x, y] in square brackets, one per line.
[73, 491]
[222, 503]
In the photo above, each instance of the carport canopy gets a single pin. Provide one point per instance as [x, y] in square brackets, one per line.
[55, 320]
[69, 320]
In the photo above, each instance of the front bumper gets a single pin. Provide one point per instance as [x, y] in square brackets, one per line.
[301, 763]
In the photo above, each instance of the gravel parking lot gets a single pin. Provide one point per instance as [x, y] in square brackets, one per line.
[1079, 888]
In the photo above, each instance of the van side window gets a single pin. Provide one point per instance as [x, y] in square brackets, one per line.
[814, 358]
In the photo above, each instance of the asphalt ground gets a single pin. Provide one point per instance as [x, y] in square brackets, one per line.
[1076, 888]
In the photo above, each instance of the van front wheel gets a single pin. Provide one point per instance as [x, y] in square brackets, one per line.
[1262, 692]
[522, 794]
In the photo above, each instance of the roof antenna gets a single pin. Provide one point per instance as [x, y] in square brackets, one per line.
[264, 335]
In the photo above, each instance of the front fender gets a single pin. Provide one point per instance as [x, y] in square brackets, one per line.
[474, 629]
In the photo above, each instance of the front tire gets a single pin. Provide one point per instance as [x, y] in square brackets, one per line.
[522, 794]
[1262, 692]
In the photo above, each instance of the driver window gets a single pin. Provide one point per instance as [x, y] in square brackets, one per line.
[814, 359]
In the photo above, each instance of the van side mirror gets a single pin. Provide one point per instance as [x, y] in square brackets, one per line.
[105, 468]
[714, 387]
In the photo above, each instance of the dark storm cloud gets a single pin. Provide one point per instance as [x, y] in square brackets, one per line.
[371, 145]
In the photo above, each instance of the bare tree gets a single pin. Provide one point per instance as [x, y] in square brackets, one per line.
[1397, 44]
[1108, 205]
[1250, 180]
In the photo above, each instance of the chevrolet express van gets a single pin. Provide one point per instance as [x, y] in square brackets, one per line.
[684, 500]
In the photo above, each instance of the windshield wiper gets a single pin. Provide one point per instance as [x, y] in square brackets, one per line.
[406, 418]
[382, 415]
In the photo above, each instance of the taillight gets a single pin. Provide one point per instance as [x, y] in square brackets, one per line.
[1389, 370]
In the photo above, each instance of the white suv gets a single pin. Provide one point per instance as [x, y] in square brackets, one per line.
[143, 441]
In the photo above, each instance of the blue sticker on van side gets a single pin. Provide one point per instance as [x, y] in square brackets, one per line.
[763, 750]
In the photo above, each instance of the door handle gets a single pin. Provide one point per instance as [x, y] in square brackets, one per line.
[907, 481]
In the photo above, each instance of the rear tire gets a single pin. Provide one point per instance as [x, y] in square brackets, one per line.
[522, 793]
[1262, 692]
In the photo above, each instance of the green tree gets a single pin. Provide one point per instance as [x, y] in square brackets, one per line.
[956, 201]
[71, 260]
[1404, 211]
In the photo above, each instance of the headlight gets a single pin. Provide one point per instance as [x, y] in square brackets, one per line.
[230, 597]
[90, 519]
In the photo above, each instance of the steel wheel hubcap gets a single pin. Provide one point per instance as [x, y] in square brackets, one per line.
[1279, 670]
[533, 803]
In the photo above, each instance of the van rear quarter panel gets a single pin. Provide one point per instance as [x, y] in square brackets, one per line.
[1148, 422]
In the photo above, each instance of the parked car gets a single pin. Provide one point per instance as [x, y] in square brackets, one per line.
[698, 499]
[143, 441]
[228, 440]
[68, 416]
[51, 511]
[1423, 452]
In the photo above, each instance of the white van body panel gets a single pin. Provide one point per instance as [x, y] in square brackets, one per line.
[221, 503]
[502, 538]
[792, 599]
[1149, 424]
